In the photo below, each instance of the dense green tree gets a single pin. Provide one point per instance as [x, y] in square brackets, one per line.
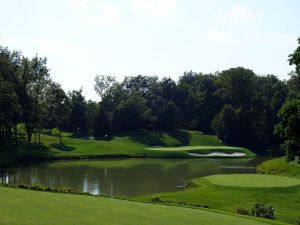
[294, 58]
[169, 116]
[57, 108]
[102, 124]
[131, 114]
[289, 128]
[236, 86]
[293, 86]
[77, 121]
[227, 125]
[9, 100]
[92, 109]
[103, 83]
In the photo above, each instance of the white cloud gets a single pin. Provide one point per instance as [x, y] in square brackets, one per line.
[238, 14]
[219, 35]
[96, 12]
[57, 46]
[156, 8]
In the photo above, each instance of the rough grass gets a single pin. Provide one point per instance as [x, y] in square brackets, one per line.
[252, 180]
[23, 207]
[279, 166]
[285, 200]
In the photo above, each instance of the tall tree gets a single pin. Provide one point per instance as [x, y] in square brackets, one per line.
[102, 124]
[294, 58]
[103, 83]
[289, 128]
[77, 117]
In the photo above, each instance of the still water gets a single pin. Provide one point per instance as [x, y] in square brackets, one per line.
[125, 177]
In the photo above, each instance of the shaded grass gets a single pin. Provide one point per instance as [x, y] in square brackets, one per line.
[24, 207]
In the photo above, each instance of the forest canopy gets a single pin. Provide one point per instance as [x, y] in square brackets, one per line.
[236, 104]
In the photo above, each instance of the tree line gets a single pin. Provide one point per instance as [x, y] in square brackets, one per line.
[237, 105]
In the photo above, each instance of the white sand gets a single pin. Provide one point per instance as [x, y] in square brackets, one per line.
[222, 154]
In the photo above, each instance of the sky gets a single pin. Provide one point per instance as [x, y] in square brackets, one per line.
[83, 38]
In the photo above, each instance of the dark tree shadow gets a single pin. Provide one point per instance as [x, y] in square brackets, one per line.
[62, 147]
[155, 137]
[150, 138]
[181, 136]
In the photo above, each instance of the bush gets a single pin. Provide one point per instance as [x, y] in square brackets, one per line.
[200, 205]
[298, 221]
[262, 210]
[37, 188]
[243, 211]
[155, 199]
[23, 186]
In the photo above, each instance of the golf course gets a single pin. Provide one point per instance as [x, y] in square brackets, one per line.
[143, 143]
[68, 209]
[223, 194]
[114, 123]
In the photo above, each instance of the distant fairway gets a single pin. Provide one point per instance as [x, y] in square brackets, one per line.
[23, 207]
[252, 180]
[142, 143]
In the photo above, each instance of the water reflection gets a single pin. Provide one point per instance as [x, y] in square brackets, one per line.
[126, 176]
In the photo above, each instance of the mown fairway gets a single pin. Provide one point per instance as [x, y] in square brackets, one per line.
[135, 144]
[25, 207]
[228, 192]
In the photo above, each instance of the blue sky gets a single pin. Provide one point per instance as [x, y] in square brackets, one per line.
[82, 38]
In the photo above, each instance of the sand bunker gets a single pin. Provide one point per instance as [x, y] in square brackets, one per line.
[221, 154]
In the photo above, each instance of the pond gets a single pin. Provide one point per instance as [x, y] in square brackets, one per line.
[125, 177]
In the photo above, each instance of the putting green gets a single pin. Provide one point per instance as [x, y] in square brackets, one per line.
[252, 180]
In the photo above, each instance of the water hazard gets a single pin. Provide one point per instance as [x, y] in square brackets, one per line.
[125, 177]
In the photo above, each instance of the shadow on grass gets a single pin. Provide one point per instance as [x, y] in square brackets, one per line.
[150, 138]
[156, 137]
[83, 136]
[181, 136]
[62, 147]
[23, 153]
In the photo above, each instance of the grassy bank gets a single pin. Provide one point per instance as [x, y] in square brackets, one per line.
[143, 143]
[228, 192]
[24, 207]
[279, 166]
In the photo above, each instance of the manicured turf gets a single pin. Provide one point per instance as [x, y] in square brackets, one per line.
[252, 180]
[285, 200]
[23, 207]
[279, 166]
[143, 143]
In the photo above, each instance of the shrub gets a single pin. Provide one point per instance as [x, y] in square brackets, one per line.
[243, 211]
[182, 202]
[262, 210]
[155, 199]
[200, 205]
[37, 188]
[23, 186]
[298, 221]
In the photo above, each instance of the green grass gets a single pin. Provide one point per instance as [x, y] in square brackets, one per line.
[279, 166]
[24, 207]
[252, 180]
[143, 143]
[285, 200]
